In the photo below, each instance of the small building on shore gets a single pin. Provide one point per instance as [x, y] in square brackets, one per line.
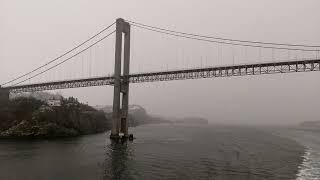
[54, 103]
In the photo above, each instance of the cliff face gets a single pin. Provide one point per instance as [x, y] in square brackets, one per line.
[29, 117]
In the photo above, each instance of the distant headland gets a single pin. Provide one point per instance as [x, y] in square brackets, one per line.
[309, 126]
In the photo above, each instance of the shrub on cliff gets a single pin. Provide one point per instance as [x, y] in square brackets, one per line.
[17, 110]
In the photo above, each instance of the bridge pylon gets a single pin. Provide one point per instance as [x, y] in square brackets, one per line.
[121, 80]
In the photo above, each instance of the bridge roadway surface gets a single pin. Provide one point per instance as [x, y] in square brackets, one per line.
[196, 73]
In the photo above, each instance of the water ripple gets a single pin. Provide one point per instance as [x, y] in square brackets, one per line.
[310, 168]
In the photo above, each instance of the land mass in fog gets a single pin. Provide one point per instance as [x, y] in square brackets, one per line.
[309, 126]
[192, 120]
[31, 116]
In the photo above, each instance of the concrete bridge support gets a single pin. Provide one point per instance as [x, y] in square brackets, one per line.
[121, 80]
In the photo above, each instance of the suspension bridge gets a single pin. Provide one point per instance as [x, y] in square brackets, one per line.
[299, 58]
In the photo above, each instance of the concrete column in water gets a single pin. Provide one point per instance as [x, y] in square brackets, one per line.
[125, 81]
[117, 80]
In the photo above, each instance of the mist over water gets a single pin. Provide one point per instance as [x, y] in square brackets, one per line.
[34, 33]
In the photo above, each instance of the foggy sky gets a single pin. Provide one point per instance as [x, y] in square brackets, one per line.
[35, 31]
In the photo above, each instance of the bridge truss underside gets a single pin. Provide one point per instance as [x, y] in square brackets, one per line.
[67, 84]
[227, 71]
[211, 72]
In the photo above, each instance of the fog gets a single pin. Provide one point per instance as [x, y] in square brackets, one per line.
[36, 31]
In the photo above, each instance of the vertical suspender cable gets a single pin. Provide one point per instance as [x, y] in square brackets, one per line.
[260, 55]
[90, 56]
[132, 46]
[233, 55]
[82, 65]
[272, 54]
[289, 55]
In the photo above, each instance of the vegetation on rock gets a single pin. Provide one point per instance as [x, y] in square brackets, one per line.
[31, 117]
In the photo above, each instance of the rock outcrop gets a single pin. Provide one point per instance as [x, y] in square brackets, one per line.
[30, 117]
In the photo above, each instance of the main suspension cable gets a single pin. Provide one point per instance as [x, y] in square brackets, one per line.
[59, 57]
[225, 39]
[65, 59]
[222, 42]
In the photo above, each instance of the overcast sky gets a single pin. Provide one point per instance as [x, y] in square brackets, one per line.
[35, 31]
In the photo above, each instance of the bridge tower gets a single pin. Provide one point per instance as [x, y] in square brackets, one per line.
[121, 80]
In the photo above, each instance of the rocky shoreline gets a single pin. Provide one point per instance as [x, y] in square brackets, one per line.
[28, 117]
[32, 117]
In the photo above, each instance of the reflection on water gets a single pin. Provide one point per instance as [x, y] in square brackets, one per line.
[190, 152]
[116, 162]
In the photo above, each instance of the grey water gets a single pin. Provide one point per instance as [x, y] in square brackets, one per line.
[310, 167]
[163, 151]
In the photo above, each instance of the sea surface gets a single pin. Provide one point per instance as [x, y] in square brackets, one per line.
[167, 151]
[310, 167]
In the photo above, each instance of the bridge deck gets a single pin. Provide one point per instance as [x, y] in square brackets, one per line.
[209, 72]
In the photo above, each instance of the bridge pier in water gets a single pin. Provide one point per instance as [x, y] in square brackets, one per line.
[121, 81]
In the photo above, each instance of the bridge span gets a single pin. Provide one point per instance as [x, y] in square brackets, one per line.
[122, 77]
[196, 73]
